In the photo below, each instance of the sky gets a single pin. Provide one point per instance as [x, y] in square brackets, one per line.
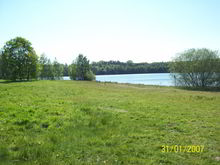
[137, 30]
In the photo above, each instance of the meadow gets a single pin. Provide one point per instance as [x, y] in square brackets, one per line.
[76, 122]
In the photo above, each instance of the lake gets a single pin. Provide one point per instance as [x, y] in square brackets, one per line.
[163, 79]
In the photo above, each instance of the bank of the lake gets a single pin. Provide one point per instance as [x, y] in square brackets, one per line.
[76, 122]
[162, 79]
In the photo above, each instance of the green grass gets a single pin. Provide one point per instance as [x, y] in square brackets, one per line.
[73, 122]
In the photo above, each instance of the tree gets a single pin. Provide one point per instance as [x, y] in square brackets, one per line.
[129, 62]
[80, 69]
[46, 68]
[19, 60]
[57, 70]
[65, 70]
[82, 66]
[0, 64]
[196, 68]
[72, 71]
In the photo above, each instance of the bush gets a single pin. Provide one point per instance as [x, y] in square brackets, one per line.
[89, 76]
[196, 68]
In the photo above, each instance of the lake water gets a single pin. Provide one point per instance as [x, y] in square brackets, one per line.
[163, 79]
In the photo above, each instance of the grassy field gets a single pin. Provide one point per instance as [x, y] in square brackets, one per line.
[73, 122]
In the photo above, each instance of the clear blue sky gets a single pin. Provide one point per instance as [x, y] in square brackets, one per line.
[138, 30]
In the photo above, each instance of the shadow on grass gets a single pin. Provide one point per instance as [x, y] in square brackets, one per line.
[206, 89]
[17, 81]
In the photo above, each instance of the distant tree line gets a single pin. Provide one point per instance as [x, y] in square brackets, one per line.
[117, 67]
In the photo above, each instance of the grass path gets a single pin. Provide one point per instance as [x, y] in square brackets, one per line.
[73, 122]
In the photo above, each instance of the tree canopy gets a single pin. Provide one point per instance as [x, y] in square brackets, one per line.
[18, 60]
[196, 68]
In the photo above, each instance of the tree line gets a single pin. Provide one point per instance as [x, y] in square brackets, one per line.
[117, 67]
[19, 61]
[191, 68]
